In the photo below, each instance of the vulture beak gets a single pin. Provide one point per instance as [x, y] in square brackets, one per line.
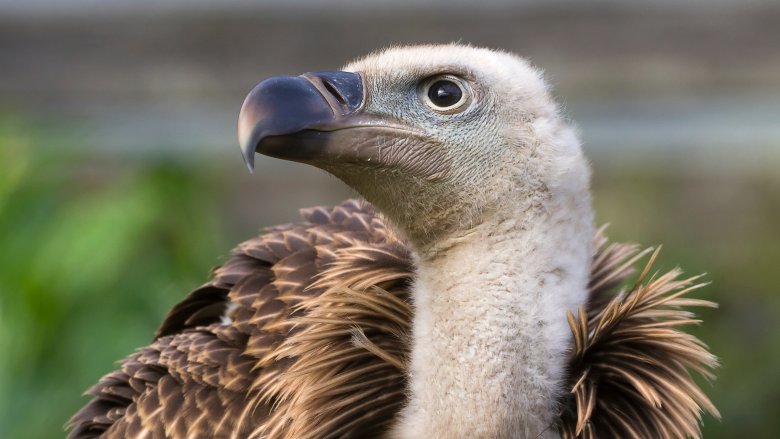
[315, 118]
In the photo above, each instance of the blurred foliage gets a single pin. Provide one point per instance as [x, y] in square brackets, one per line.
[95, 250]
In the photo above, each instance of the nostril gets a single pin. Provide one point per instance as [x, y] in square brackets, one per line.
[334, 91]
[341, 89]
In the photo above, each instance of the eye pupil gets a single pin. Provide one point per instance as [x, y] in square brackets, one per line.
[444, 93]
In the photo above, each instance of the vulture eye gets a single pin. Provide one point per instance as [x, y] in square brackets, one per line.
[445, 94]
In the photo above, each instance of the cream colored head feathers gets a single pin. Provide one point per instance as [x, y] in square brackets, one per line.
[507, 140]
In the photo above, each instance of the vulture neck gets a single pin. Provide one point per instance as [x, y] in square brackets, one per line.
[490, 335]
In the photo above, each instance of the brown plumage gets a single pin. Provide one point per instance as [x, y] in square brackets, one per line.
[317, 342]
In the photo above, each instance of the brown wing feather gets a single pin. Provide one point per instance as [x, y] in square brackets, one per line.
[317, 345]
[630, 372]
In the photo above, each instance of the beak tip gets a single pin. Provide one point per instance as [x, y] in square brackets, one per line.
[249, 159]
[247, 144]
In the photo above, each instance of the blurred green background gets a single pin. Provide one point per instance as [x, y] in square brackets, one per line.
[121, 183]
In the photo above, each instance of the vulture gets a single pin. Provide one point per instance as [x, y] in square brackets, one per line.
[465, 294]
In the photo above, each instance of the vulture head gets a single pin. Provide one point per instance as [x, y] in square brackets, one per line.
[437, 137]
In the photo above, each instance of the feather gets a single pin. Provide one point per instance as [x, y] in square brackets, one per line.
[304, 333]
[630, 370]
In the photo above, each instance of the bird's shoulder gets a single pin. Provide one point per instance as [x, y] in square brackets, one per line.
[274, 271]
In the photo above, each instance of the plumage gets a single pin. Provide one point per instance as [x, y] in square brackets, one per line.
[311, 329]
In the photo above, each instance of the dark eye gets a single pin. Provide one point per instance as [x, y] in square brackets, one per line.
[445, 93]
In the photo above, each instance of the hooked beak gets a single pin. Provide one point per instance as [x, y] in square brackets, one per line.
[319, 118]
[286, 116]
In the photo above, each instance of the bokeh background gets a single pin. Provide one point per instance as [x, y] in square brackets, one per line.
[121, 183]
